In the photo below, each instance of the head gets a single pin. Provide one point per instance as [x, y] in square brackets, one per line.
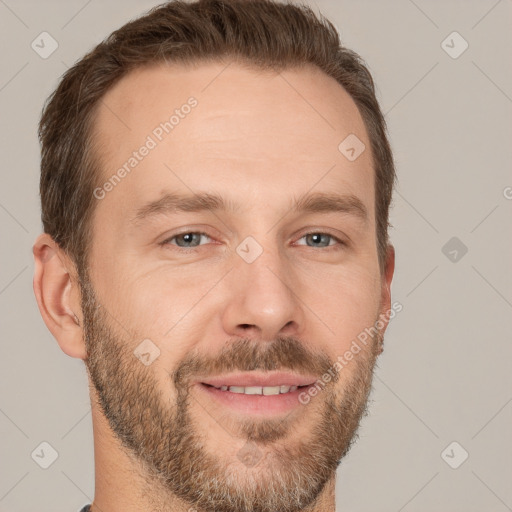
[215, 184]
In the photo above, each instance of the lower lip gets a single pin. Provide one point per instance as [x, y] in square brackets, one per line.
[255, 404]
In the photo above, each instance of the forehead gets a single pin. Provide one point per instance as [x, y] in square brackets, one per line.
[232, 130]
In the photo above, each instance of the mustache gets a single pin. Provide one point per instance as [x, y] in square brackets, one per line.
[245, 355]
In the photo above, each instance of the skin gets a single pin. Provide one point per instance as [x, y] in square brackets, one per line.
[259, 139]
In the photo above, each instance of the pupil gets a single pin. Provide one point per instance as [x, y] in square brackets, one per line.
[187, 238]
[316, 238]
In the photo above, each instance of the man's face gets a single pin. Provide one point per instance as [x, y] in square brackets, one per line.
[255, 293]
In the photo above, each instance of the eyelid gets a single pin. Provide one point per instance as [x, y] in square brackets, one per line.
[197, 229]
[342, 240]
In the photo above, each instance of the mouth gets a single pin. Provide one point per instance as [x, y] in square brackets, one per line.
[258, 390]
[262, 394]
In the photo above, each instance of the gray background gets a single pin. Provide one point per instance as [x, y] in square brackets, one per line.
[445, 373]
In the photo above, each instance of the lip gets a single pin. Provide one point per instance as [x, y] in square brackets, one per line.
[261, 405]
[259, 379]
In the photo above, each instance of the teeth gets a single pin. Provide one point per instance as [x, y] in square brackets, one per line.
[271, 390]
[253, 390]
[236, 389]
[259, 390]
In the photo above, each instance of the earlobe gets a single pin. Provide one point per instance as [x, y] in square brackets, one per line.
[58, 295]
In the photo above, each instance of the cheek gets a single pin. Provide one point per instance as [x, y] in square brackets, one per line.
[169, 307]
[347, 301]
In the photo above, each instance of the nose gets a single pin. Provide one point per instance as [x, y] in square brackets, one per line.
[264, 299]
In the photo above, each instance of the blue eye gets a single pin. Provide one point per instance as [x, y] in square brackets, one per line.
[187, 240]
[192, 239]
[320, 239]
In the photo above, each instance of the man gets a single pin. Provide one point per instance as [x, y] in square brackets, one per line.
[215, 187]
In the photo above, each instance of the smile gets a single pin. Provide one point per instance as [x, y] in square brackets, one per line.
[258, 393]
[259, 390]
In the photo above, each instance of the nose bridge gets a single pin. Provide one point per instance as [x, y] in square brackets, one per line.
[263, 296]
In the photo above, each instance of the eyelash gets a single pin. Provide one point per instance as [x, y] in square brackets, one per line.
[167, 241]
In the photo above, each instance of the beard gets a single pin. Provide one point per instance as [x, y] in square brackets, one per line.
[274, 470]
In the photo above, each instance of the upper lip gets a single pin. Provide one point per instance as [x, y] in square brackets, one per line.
[259, 379]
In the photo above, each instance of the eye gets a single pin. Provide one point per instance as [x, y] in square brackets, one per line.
[317, 239]
[192, 239]
[186, 240]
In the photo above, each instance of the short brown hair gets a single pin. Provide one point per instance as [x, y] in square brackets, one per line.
[262, 33]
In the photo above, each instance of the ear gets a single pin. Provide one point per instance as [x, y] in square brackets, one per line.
[58, 295]
[388, 277]
[386, 287]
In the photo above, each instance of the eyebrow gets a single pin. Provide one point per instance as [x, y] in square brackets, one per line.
[317, 202]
